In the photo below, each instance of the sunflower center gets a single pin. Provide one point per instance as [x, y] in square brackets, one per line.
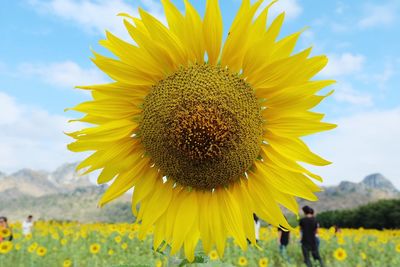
[202, 126]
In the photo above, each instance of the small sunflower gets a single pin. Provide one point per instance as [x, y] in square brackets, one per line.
[340, 254]
[131, 235]
[5, 232]
[67, 263]
[32, 247]
[94, 248]
[242, 261]
[41, 251]
[118, 239]
[263, 262]
[111, 252]
[5, 247]
[158, 263]
[363, 255]
[208, 133]
[124, 246]
[398, 247]
[213, 255]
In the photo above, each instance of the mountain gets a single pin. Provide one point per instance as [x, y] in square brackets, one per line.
[79, 204]
[378, 181]
[67, 178]
[34, 183]
[350, 195]
[40, 183]
[63, 194]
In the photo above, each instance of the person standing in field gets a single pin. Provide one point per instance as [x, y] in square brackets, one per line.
[309, 227]
[283, 240]
[5, 230]
[257, 225]
[27, 225]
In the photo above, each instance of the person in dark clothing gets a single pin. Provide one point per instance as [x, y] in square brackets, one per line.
[308, 228]
[283, 240]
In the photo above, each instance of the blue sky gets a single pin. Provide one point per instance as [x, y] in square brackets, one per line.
[45, 49]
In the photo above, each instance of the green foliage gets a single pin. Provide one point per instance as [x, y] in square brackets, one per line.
[384, 214]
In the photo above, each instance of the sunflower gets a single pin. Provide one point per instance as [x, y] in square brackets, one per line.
[118, 239]
[363, 255]
[158, 263]
[5, 232]
[67, 263]
[340, 254]
[41, 251]
[131, 235]
[5, 247]
[213, 255]
[94, 248]
[398, 247]
[64, 241]
[206, 132]
[124, 246]
[242, 261]
[110, 252]
[263, 262]
[32, 247]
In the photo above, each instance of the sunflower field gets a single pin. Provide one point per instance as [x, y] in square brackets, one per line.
[73, 244]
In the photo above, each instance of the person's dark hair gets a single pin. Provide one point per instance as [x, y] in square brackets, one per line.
[307, 210]
[312, 211]
[30, 216]
[3, 218]
[255, 217]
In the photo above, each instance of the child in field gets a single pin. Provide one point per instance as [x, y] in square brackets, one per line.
[27, 225]
[5, 230]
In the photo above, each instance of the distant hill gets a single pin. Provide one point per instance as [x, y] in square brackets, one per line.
[39, 183]
[65, 195]
[61, 194]
[348, 195]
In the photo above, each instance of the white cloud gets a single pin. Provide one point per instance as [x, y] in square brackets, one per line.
[362, 144]
[344, 92]
[30, 137]
[382, 78]
[97, 16]
[9, 111]
[343, 64]
[378, 15]
[292, 8]
[63, 74]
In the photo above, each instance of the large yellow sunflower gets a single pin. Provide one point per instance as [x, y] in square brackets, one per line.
[206, 132]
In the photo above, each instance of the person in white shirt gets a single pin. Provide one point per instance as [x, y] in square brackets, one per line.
[257, 225]
[27, 225]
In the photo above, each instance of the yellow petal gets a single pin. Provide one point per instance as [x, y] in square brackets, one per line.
[131, 55]
[231, 217]
[157, 51]
[185, 219]
[159, 33]
[126, 181]
[194, 33]
[157, 205]
[122, 72]
[212, 31]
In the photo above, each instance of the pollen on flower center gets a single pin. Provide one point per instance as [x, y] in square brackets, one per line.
[202, 126]
[201, 132]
